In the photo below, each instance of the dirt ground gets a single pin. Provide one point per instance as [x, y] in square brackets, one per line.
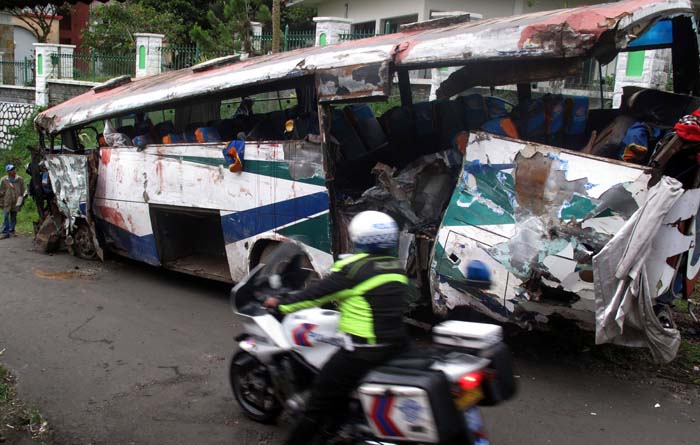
[119, 352]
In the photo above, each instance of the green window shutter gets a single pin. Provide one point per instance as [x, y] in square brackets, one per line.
[635, 64]
[142, 57]
[322, 39]
[40, 64]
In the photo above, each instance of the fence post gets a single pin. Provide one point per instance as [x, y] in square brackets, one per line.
[93, 64]
[2, 67]
[286, 37]
[257, 29]
[329, 29]
[43, 70]
[148, 53]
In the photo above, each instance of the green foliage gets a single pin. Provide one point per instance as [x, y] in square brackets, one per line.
[114, 24]
[19, 155]
[298, 17]
[231, 29]
[379, 108]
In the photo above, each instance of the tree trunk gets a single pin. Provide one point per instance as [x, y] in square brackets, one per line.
[275, 26]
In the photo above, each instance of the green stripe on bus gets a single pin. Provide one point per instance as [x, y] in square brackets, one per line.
[273, 169]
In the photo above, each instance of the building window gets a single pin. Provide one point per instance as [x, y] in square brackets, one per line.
[392, 25]
[66, 23]
[364, 28]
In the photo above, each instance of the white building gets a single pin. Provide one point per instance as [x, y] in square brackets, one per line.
[375, 15]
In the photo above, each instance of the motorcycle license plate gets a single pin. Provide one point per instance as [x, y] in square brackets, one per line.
[469, 398]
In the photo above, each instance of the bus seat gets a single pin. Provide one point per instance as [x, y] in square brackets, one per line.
[449, 121]
[174, 138]
[367, 126]
[127, 130]
[502, 126]
[342, 129]
[207, 134]
[476, 112]
[496, 107]
[164, 128]
[575, 115]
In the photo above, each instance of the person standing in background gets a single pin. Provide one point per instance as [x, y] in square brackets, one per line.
[11, 195]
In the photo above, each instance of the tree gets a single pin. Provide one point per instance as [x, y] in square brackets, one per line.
[187, 13]
[298, 17]
[232, 28]
[40, 18]
[113, 26]
[276, 26]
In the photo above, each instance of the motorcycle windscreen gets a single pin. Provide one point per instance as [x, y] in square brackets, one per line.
[535, 215]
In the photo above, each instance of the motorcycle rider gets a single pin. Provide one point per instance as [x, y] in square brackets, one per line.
[371, 289]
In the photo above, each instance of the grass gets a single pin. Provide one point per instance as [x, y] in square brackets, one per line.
[19, 423]
[20, 157]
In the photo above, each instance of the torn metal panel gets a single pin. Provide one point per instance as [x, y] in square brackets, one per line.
[632, 271]
[354, 82]
[417, 194]
[69, 179]
[561, 34]
[537, 215]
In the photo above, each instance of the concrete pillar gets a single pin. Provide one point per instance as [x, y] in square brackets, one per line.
[256, 30]
[43, 69]
[148, 53]
[654, 74]
[328, 29]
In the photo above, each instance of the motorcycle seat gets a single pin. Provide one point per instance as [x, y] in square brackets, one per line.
[413, 358]
[410, 362]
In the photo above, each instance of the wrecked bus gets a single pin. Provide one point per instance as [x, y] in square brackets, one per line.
[193, 172]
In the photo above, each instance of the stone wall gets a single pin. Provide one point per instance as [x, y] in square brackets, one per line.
[11, 93]
[12, 114]
[62, 90]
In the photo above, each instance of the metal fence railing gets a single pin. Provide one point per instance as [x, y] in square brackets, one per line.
[92, 66]
[357, 35]
[364, 33]
[289, 40]
[19, 73]
[175, 57]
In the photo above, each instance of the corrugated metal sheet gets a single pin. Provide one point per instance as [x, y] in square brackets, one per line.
[543, 35]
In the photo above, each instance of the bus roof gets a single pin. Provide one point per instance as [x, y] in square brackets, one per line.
[362, 68]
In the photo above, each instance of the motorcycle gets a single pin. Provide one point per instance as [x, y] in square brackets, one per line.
[424, 395]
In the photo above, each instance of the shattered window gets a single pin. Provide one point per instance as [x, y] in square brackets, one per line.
[262, 103]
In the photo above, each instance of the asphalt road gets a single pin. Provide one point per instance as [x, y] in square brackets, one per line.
[124, 353]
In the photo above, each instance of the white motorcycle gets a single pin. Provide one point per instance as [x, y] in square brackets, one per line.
[426, 395]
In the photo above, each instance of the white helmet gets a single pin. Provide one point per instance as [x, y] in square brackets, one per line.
[373, 232]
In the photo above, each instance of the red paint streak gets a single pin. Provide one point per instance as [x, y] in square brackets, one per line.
[105, 156]
[402, 50]
[131, 223]
[159, 172]
[112, 216]
[586, 19]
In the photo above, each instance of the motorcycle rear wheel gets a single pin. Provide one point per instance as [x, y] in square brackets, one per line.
[252, 388]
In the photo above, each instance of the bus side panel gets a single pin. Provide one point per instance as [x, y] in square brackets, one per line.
[535, 215]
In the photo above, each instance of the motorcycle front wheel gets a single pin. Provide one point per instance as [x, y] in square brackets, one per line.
[252, 387]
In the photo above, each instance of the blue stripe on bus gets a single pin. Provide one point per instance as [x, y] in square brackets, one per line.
[140, 248]
[241, 225]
